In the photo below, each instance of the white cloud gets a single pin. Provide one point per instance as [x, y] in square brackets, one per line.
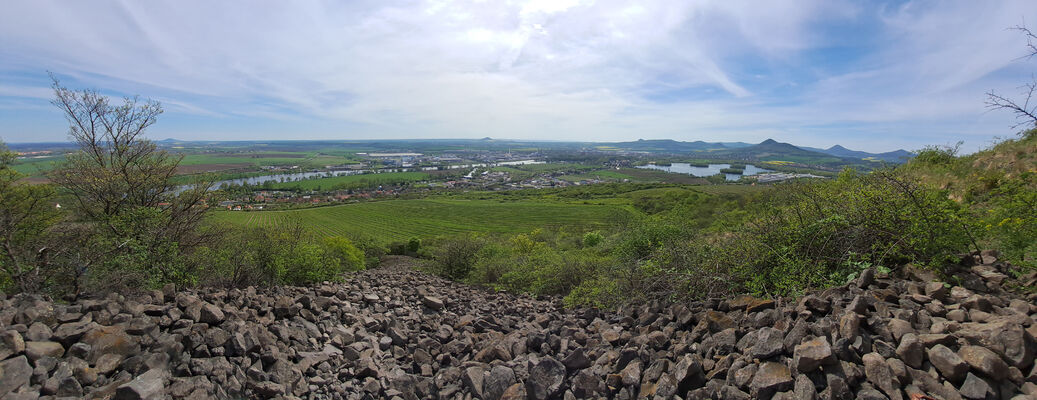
[575, 69]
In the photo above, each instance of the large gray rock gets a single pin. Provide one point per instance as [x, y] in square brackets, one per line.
[911, 350]
[11, 343]
[880, 375]
[811, 354]
[985, 361]
[950, 365]
[14, 374]
[771, 378]
[38, 350]
[499, 380]
[545, 378]
[976, 388]
[148, 386]
[769, 343]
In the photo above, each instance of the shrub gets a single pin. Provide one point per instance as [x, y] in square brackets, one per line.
[454, 257]
[264, 256]
[349, 257]
[808, 236]
[591, 239]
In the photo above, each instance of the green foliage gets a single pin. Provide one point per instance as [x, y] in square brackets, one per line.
[400, 220]
[591, 239]
[349, 257]
[257, 256]
[455, 257]
[27, 216]
[814, 230]
[936, 155]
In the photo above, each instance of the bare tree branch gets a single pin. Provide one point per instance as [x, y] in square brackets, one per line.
[1025, 112]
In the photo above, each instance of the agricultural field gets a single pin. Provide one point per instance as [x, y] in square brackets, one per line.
[353, 181]
[403, 219]
[301, 159]
[604, 175]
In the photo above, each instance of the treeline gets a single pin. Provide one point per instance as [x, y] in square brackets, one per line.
[115, 219]
[801, 235]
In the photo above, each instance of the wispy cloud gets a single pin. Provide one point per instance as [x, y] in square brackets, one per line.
[808, 71]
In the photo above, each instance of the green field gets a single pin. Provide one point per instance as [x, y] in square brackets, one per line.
[600, 175]
[302, 159]
[403, 219]
[353, 181]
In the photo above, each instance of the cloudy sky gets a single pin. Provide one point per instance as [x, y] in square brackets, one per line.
[869, 75]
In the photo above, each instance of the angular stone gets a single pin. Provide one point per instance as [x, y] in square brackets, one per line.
[880, 375]
[984, 360]
[576, 360]
[688, 373]
[976, 388]
[804, 389]
[950, 365]
[849, 325]
[545, 378]
[1005, 338]
[473, 380]
[71, 332]
[38, 350]
[811, 354]
[911, 350]
[500, 379]
[771, 378]
[14, 374]
[267, 389]
[936, 290]
[769, 343]
[11, 343]
[110, 340]
[148, 386]
[433, 303]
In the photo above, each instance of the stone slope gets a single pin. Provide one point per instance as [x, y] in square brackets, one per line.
[396, 333]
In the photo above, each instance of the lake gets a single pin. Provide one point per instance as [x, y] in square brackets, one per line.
[712, 169]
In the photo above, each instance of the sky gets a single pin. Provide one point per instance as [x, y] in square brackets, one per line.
[869, 75]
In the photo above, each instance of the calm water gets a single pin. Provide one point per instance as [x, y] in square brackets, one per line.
[712, 169]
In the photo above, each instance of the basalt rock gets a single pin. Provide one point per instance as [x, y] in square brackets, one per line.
[392, 332]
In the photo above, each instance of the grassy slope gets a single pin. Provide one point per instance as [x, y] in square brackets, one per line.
[403, 219]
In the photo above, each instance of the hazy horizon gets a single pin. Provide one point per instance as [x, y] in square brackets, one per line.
[871, 76]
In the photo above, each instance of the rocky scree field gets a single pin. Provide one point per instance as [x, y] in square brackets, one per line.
[396, 333]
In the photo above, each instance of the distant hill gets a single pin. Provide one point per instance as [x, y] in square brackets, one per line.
[897, 156]
[771, 149]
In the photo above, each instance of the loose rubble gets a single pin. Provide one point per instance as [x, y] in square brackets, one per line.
[395, 333]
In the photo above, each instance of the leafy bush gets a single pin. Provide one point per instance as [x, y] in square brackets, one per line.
[454, 257]
[263, 257]
[813, 231]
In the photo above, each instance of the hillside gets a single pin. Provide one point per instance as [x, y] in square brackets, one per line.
[373, 337]
[394, 220]
[896, 156]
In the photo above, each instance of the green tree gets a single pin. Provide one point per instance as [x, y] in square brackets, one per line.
[27, 214]
[121, 187]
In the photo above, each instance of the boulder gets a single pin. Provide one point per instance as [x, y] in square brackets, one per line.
[545, 378]
[14, 374]
[771, 378]
[950, 365]
[811, 354]
[983, 360]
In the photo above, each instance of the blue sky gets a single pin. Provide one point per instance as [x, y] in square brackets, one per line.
[868, 75]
